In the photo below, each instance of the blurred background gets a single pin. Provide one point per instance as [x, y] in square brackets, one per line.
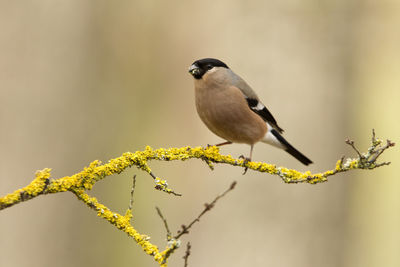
[86, 80]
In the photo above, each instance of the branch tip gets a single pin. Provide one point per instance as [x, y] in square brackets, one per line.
[169, 236]
[207, 207]
[351, 143]
[187, 254]
[132, 192]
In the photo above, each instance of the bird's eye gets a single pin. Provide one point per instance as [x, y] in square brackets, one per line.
[209, 67]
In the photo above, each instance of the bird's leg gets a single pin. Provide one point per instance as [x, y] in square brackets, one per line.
[246, 160]
[224, 143]
[221, 144]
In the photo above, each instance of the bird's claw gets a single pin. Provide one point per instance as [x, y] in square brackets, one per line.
[245, 161]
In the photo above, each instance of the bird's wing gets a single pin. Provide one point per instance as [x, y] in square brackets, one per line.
[259, 108]
[254, 103]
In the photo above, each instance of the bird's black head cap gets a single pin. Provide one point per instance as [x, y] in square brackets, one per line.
[201, 66]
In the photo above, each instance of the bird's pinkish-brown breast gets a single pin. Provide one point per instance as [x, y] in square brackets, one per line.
[225, 112]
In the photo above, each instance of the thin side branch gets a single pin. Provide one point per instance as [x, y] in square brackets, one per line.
[174, 242]
[207, 207]
[128, 213]
[169, 236]
[132, 192]
[187, 254]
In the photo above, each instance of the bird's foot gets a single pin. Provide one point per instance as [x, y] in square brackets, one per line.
[245, 161]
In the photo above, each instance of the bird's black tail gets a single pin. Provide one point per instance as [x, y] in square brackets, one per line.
[290, 149]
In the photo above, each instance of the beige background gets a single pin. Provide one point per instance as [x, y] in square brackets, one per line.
[86, 80]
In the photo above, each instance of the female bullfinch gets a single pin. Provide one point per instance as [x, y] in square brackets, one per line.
[231, 109]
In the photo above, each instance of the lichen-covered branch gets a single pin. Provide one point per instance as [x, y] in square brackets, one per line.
[83, 181]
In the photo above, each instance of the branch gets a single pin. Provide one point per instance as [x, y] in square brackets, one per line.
[84, 181]
[207, 207]
[173, 242]
[128, 212]
[187, 254]
[169, 236]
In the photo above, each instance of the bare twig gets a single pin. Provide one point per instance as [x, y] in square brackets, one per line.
[169, 236]
[373, 136]
[351, 143]
[368, 160]
[152, 175]
[132, 191]
[187, 254]
[379, 151]
[208, 207]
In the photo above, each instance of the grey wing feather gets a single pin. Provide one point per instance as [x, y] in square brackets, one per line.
[253, 101]
[258, 107]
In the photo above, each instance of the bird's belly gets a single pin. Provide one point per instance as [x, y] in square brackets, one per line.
[230, 120]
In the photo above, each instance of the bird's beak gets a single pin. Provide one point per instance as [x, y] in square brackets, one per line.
[194, 70]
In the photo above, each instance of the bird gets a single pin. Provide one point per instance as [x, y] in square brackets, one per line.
[230, 109]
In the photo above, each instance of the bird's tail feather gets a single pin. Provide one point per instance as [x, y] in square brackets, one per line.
[289, 148]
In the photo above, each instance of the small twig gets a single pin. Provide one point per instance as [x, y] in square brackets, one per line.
[368, 159]
[351, 143]
[152, 175]
[341, 161]
[208, 207]
[373, 136]
[383, 163]
[165, 224]
[187, 254]
[380, 151]
[132, 191]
